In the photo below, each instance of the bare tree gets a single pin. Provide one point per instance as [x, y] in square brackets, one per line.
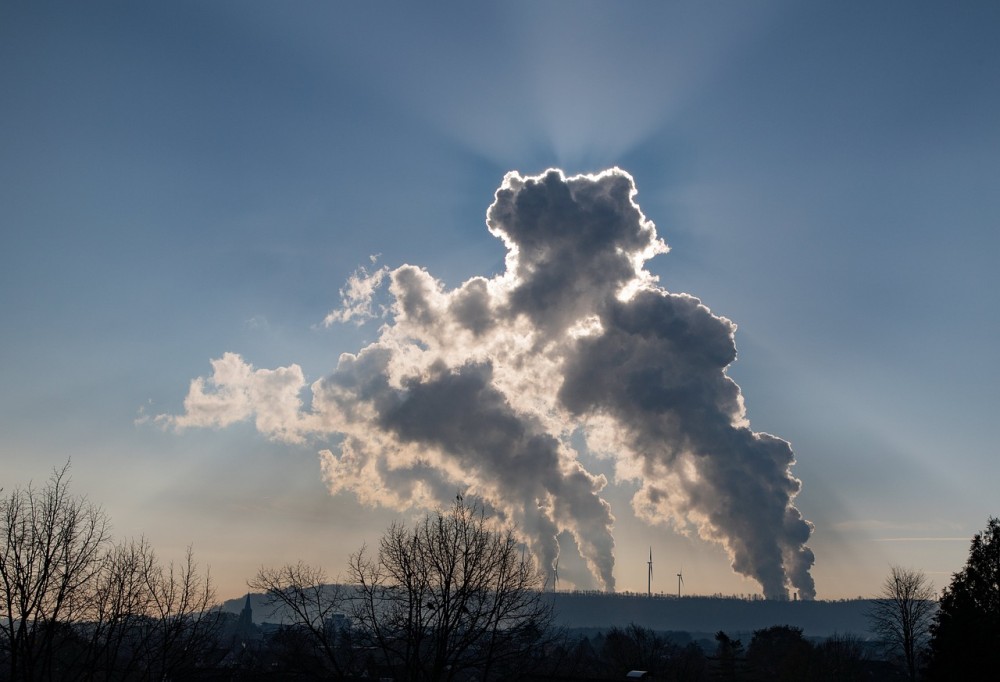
[50, 553]
[901, 615]
[116, 623]
[303, 597]
[75, 605]
[185, 618]
[635, 647]
[449, 597]
[841, 657]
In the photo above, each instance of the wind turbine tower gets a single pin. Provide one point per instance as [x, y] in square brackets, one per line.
[649, 574]
[680, 581]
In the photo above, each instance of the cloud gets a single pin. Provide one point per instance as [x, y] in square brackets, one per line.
[356, 298]
[479, 388]
[237, 392]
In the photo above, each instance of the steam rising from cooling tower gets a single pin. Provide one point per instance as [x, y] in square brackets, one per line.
[478, 388]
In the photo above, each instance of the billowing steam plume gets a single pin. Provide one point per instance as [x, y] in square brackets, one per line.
[480, 387]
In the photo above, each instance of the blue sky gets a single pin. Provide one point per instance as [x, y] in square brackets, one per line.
[181, 180]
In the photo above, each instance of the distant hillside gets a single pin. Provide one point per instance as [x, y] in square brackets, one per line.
[690, 614]
[711, 614]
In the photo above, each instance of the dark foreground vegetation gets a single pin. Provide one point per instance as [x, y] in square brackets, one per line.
[450, 598]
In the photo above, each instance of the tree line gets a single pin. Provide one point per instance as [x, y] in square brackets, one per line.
[77, 604]
[451, 597]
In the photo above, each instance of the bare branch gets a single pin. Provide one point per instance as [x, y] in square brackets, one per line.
[302, 597]
[902, 614]
[449, 597]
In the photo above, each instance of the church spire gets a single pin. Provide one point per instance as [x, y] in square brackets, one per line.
[246, 615]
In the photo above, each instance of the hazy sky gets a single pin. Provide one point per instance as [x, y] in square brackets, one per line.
[183, 180]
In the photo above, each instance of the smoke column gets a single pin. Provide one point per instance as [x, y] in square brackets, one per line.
[479, 387]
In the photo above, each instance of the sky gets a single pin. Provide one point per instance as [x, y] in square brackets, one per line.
[192, 187]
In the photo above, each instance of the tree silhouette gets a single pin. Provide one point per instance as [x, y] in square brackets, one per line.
[635, 647]
[50, 551]
[303, 595]
[75, 605]
[965, 636]
[449, 598]
[780, 652]
[841, 658]
[728, 652]
[901, 615]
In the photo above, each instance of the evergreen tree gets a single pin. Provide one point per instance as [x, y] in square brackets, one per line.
[966, 632]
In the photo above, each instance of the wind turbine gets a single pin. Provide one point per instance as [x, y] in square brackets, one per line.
[680, 581]
[649, 575]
